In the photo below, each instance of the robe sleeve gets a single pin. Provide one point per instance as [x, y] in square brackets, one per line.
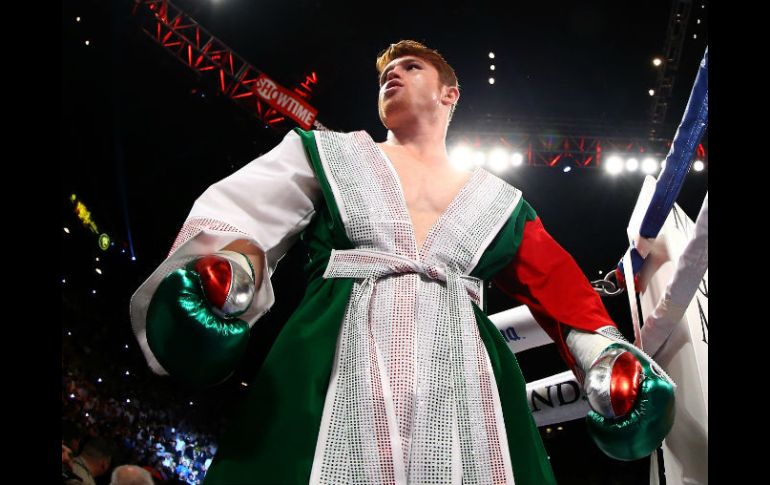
[267, 202]
[545, 277]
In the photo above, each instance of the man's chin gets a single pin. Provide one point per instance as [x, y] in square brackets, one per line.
[391, 113]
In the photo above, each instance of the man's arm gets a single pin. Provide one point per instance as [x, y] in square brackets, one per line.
[193, 314]
[632, 404]
[546, 278]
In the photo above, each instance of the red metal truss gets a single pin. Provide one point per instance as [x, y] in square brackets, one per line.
[199, 50]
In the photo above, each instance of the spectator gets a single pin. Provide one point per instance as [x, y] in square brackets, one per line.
[94, 461]
[66, 466]
[131, 475]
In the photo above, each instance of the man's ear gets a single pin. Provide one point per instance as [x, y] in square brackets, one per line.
[450, 95]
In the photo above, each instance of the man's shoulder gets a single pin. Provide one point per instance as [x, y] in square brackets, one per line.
[501, 182]
[80, 469]
[69, 478]
[332, 138]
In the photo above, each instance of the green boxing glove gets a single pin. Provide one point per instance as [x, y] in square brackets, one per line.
[192, 320]
[632, 403]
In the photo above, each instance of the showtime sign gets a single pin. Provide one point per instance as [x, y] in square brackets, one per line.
[285, 101]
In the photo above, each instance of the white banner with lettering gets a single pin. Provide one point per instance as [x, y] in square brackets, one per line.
[520, 329]
[556, 399]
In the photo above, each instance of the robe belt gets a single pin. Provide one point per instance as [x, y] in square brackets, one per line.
[371, 265]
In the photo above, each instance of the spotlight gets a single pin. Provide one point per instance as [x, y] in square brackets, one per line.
[517, 159]
[614, 165]
[657, 62]
[492, 67]
[66, 230]
[461, 157]
[632, 165]
[649, 165]
[498, 160]
[491, 80]
[491, 55]
[479, 158]
[698, 166]
[651, 92]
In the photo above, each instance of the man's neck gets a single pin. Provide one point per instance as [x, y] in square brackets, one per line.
[428, 146]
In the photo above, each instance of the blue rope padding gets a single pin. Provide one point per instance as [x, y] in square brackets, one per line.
[678, 162]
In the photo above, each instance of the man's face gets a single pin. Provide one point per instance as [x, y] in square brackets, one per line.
[66, 456]
[408, 85]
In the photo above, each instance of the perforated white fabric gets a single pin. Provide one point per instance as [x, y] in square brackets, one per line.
[411, 399]
[194, 226]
